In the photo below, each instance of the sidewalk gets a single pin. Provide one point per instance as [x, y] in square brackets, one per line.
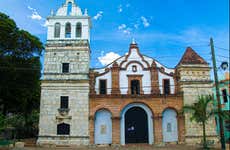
[127, 147]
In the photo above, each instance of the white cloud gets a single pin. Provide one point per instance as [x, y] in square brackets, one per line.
[30, 8]
[35, 15]
[98, 15]
[120, 8]
[45, 24]
[126, 30]
[136, 26]
[108, 58]
[145, 21]
[122, 26]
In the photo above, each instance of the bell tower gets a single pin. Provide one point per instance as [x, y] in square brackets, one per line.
[64, 105]
[69, 23]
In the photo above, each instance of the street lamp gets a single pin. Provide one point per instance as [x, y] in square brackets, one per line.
[224, 65]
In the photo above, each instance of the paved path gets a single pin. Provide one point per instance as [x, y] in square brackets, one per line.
[128, 147]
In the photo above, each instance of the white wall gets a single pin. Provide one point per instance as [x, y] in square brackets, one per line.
[146, 74]
[146, 79]
[163, 76]
[107, 77]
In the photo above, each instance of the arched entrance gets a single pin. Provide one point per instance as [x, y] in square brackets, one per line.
[169, 126]
[136, 124]
[103, 127]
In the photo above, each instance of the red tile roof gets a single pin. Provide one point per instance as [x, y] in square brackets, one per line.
[191, 57]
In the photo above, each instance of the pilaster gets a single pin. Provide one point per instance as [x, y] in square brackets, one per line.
[158, 129]
[115, 79]
[154, 79]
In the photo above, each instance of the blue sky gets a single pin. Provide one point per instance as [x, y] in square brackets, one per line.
[162, 28]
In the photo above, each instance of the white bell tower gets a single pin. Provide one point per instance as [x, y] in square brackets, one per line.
[69, 23]
[64, 106]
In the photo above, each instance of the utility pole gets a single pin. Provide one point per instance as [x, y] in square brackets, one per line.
[222, 140]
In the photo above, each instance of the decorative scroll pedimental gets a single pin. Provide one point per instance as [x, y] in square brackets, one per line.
[134, 49]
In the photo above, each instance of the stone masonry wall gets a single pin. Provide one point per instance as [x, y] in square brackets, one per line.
[195, 81]
[77, 116]
[77, 57]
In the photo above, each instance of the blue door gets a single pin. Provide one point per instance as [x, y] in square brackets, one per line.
[169, 126]
[103, 127]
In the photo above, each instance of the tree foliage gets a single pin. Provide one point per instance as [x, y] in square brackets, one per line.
[16, 42]
[20, 69]
[202, 111]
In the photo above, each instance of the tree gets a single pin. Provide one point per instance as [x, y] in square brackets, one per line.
[20, 69]
[201, 112]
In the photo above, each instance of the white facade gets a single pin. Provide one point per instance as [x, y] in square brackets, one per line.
[142, 63]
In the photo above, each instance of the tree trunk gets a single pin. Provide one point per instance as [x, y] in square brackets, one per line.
[204, 136]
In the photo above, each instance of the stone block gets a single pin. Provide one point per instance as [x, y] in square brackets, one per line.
[19, 144]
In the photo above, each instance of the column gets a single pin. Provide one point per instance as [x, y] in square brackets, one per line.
[158, 136]
[181, 128]
[116, 130]
[91, 130]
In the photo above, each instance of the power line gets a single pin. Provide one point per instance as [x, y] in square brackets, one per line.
[222, 56]
[222, 48]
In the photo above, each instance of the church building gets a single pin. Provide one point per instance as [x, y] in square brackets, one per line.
[135, 99]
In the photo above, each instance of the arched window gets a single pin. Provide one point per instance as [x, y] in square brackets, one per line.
[78, 29]
[63, 129]
[68, 30]
[69, 9]
[57, 30]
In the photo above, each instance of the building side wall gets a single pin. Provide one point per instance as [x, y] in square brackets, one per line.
[194, 82]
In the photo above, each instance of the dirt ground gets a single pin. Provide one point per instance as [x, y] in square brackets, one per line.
[127, 147]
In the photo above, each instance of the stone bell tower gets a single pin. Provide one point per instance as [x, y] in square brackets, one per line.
[194, 80]
[65, 86]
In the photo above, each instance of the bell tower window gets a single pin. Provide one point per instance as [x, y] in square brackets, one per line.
[57, 30]
[69, 8]
[68, 30]
[65, 67]
[78, 29]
